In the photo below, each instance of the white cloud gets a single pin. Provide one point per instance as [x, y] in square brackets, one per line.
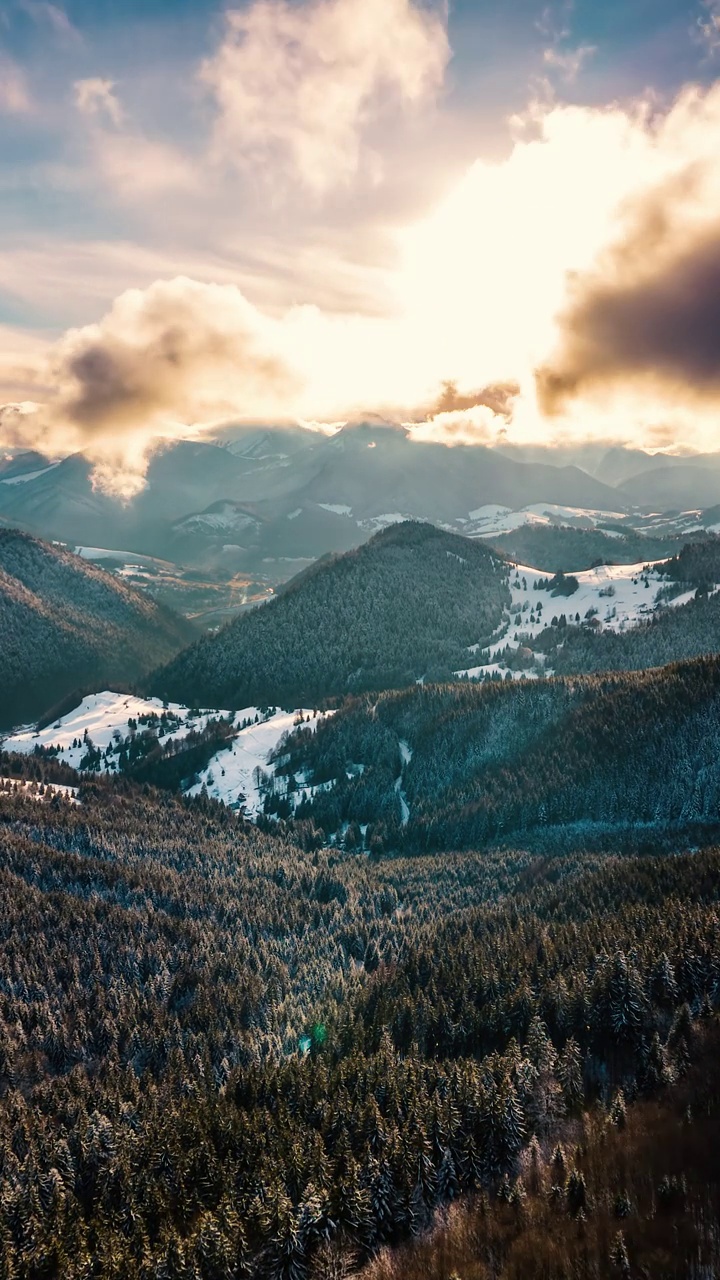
[708, 26]
[568, 62]
[476, 297]
[97, 97]
[297, 86]
[553, 22]
[140, 169]
[134, 167]
[14, 93]
[43, 13]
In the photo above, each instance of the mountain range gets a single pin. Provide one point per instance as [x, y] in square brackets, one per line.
[264, 500]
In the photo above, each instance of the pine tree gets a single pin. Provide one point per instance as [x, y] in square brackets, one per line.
[657, 1070]
[349, 1199]
[576, 1193]
[622, 1207]
[618, 1112]
[447, 1179]
[534, 1167]
[384, 1200]
[619, 1256]
[284, 1256]
[626, 999]
[539, 1047]
[419, 1210]
[663, 985]
[502, 1128]
[212, 1251]
[570, 1075]
[558, 1165]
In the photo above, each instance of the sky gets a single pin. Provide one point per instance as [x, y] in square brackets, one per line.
[493, 222]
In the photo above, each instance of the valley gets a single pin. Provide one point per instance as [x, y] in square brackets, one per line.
[369, 893]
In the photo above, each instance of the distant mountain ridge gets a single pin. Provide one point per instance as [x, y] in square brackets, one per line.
[65, 623]
[299, 494]
[374, 472]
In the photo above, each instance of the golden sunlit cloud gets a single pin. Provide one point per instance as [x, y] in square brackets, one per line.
[160, 360]
[297, 86]
[568, 292]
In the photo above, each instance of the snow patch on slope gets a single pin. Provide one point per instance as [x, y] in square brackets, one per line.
[29, 475]
[493, 519]
[608, 598]
[232, 775]
[102, 721]
[101, 716]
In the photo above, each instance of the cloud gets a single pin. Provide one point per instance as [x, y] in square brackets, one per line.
[569, 62]
[554, 19]
[708, 26]
[161, 360]
[97, 97]
[497, 397]
[476, 425]
[453, 403]
[587, 254]
[648, 313]
[297, 86]
[14, 93]
[141, 169]
[456, 417]
[134, 167]
[53, 16]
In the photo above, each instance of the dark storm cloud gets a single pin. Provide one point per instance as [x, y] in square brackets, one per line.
[650, 312]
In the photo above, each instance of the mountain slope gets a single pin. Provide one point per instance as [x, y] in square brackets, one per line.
[448, 767]
[65, 623]
[221, 1050]
[376, 470]
[287, 481]
[680, 486]
[405, 605]
[562, 549]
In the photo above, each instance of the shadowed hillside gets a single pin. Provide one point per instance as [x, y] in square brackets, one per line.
[65, 623]
[448, 767]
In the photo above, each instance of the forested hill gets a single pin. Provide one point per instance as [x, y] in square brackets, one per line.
[65, 623]
[227, 1055]
[564, 549]
[450, 767]
[404, 606]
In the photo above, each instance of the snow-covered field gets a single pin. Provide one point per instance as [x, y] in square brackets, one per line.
[610, 598]
[232, 774]
[493, 519]
[28, 475]
[101, 721]
[102, 716]
[128, 558]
